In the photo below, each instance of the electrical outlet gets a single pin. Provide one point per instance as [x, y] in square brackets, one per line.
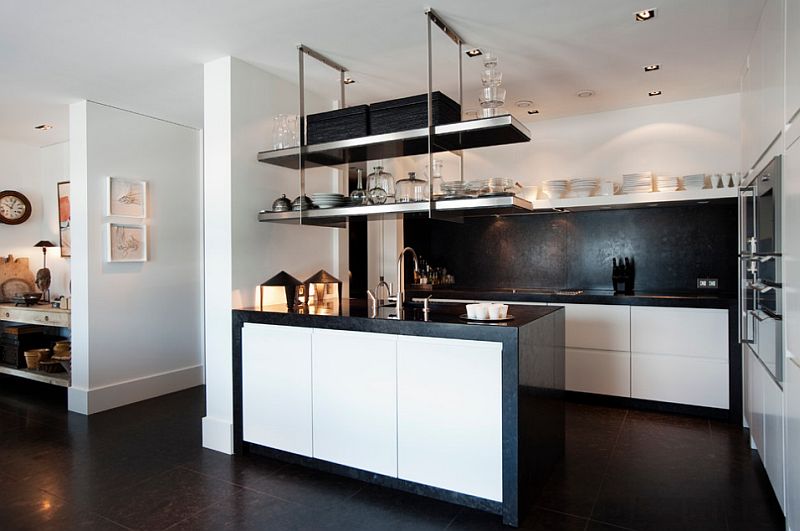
[708, 283]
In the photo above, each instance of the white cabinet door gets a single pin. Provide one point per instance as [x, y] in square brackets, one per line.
[680, 379]
[791, 245]
[792, 60]
[604, 372]
[355, 399]
[773, 435]
[449, 414]
[696, 332]
[598, 326]
[772, 53]
[276, 387]
[755, 395]
[792, 389]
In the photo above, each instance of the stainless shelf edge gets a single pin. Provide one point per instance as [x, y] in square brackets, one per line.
[455, 206]
[452, 137]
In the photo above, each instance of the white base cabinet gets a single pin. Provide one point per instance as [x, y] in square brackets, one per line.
[276, 387]
[603, 372]
[449, 414]
[355, 399]
[680, 355]
[423, 409]
[680, 380]
[764, 409]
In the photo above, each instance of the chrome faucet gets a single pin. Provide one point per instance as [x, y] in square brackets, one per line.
[401, 281]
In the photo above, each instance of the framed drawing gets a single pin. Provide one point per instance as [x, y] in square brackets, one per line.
[126, 243]
[64, 218]
[126, 198]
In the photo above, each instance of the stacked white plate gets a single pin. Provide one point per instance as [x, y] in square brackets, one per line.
[328, 200]
[582, 187]
[666, 184]
[694, 182]
[636, 183]
[553, 189]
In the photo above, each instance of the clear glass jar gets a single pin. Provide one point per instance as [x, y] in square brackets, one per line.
[380, 186]
[435, 177]
[412, 189]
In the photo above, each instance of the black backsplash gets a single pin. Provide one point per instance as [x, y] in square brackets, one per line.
[672, 247]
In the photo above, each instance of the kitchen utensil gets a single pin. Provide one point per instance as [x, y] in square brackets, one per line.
[27, 299]
[358, 196]
[380, 186]
[412, 189]
[282, 204]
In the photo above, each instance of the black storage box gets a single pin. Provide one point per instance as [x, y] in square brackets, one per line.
[411, 113]
[341, 124]
[16, 338]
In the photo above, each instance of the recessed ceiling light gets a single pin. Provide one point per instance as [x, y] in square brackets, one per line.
[524, 103]
[348, 80]
[645, 15]
[44, 127]
[585, 93]
[475, 52]
[652, 68]
[654, 93]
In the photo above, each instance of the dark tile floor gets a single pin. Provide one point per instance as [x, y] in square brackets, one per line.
[142, 467]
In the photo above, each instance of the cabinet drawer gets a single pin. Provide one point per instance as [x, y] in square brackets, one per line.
[449, 414]
[276, 387]
[694, 332]
[604, 372]
[680, 379]
[598, 326]
[354, 385]
[27, 315]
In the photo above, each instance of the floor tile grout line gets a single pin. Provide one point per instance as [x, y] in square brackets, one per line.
[608, 464]
[453, 519]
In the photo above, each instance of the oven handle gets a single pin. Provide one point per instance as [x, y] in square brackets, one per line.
[743, 313]
[744, 193]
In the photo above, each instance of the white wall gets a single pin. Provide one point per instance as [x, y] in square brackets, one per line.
[680, 138]
[54, 168]
[137, 327]
[19, 170]
[239, 103]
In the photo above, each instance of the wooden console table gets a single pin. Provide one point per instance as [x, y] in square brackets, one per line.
[39, 314]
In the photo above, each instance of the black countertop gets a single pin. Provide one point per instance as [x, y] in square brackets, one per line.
[443, 317]
[685, 300]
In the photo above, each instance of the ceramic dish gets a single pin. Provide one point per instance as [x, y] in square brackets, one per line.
[487, 320]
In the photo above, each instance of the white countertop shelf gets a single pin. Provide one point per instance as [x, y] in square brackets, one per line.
[683, 197]
[60, 379]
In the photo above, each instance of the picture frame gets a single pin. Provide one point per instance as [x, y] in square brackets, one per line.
[126, 198]
[64, 219]
[126, 242]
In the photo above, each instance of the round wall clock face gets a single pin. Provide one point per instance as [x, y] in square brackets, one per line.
[14, 208]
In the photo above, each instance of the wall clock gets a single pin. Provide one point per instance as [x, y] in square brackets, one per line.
[14, 208]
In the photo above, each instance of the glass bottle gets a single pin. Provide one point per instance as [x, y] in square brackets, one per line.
[435, 176]
[358, 196]
[380, 186]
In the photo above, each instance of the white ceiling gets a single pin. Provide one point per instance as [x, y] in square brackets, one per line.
[147, 55]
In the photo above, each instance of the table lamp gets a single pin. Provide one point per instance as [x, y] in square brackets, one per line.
[43, 275]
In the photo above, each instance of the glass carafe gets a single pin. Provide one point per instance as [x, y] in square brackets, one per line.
[412, 189]
[358, 196]
[435, 176]
[380, 186]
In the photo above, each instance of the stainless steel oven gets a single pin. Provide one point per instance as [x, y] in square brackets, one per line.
[760, 307]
